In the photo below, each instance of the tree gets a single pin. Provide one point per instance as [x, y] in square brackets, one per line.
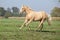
[59, 0]
[15, 11]
[8, 13]
[55, 12]
[2, 11]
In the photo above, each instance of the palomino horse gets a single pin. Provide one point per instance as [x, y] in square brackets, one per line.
[34, 16]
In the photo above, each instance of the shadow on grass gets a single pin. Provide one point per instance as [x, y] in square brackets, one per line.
[46, 31]
[43, 31]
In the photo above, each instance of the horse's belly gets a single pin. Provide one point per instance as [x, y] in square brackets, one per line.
[37, 18]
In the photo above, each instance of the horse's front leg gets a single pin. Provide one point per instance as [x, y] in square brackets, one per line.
[23, 24]
[29, 22]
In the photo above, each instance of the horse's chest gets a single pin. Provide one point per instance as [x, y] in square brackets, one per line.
[29, 16]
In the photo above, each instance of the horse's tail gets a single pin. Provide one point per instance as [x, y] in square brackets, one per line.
[49, 19]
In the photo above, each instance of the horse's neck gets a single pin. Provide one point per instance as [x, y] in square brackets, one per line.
[28, 11]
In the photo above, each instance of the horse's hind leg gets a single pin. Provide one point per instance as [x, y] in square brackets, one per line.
[41, 24]
[41, 27]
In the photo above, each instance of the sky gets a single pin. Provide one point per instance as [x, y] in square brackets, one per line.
[37, 5]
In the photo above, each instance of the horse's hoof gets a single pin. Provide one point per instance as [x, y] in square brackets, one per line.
[20, 28]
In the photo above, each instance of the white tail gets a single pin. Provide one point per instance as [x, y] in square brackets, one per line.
[49, 19]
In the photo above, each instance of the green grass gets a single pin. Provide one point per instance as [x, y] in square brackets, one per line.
[9, 30]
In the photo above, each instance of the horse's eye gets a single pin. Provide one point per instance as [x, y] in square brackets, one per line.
[22, 8]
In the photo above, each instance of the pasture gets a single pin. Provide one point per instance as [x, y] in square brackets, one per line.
[9, 30]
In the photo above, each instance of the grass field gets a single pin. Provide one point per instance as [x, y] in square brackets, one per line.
[9, 30]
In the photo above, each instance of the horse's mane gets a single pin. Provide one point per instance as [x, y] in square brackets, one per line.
[29, 8]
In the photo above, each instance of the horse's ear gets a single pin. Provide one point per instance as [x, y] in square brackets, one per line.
[23, 5]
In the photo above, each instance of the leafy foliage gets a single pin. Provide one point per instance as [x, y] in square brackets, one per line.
[55, 12]
[2, 11]
[8, 13]
[15, 11]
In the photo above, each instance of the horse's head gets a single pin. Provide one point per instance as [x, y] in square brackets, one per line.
[23, 9]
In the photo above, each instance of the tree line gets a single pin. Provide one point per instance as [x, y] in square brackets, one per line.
[55, 12]
[10, 12]
[14, 12]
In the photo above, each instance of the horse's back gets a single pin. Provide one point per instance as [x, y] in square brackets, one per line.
[44, 14]
[39, 15]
